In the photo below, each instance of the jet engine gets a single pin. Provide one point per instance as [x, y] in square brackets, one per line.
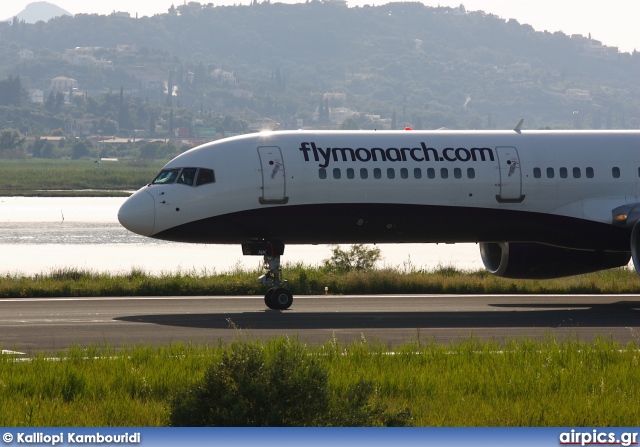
[635, 246]
[526, 260]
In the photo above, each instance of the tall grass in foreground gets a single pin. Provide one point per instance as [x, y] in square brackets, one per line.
[305, 280]
[470, 383]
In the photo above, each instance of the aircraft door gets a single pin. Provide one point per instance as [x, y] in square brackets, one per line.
[273, 176]
[510, 175]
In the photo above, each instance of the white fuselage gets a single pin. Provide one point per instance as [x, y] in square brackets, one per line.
[399, 186]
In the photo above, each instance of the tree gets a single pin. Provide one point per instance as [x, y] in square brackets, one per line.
[59, 102]
[42, 148]
[358, 258]
[79, 150]
[170, 89]
[124, 117]
[200, 74]
[10, 139]
[349, 124]
[10, 90]
[152, 124]
[149, 150]
[50, 103]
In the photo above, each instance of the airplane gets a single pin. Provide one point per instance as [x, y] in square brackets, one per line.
[540, 204]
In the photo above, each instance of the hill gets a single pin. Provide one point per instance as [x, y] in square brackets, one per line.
[397, 65]
[40, 11]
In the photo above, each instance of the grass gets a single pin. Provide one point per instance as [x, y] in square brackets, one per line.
[469, 383]
[41, 177]
[307, 280]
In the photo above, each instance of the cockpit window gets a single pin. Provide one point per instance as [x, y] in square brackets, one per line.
[187, 176]
[205, 176]
[166, 177]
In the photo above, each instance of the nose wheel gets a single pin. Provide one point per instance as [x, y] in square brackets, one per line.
[278, 297]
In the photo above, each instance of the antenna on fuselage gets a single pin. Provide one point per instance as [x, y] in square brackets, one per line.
[518, 127]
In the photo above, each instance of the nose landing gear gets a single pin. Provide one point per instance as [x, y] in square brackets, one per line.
[278, 297]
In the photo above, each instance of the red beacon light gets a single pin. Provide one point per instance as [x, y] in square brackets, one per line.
[408, 128]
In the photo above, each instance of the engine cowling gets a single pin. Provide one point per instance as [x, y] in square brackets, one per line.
[635, 246]
[520, 260]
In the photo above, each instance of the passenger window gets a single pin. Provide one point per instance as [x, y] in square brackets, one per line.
[166, 177]
[590, 173]
[322, 173]
[404, 173]
[187, 176]
[616, 172]
[563, 173]
[537, 173]
[444, 173]
[391, 173]
[417, 173]
[431, 173]
[550, 173]
[205, 176]
[364, 173]
[576, 173]
[471, 173]
[350, 173]
[336, 173]
[377, 173]
[457, 173]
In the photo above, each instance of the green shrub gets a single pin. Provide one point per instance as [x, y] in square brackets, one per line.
[280, 384]
[358, 257]
[249, 388]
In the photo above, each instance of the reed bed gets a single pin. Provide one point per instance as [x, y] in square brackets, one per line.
[469, 383]
[307, 280]
[52, 177]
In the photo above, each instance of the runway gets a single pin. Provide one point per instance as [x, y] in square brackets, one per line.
[49, 324]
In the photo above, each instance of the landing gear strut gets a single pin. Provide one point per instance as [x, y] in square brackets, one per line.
[278, 297]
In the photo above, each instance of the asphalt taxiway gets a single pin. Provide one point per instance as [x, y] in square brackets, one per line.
[48, 324]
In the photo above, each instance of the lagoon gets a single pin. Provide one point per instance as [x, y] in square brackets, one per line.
[41, 234]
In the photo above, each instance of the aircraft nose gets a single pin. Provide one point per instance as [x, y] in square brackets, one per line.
[138, 214]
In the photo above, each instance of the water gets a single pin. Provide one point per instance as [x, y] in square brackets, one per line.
[40, 234]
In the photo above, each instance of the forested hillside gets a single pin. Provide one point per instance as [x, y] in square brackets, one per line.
[402, 64]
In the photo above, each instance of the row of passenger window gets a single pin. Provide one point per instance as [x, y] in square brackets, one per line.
[457, 173]
[350, 173]
[575, 172]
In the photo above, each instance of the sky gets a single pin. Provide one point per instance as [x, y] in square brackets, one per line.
[613, 22]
